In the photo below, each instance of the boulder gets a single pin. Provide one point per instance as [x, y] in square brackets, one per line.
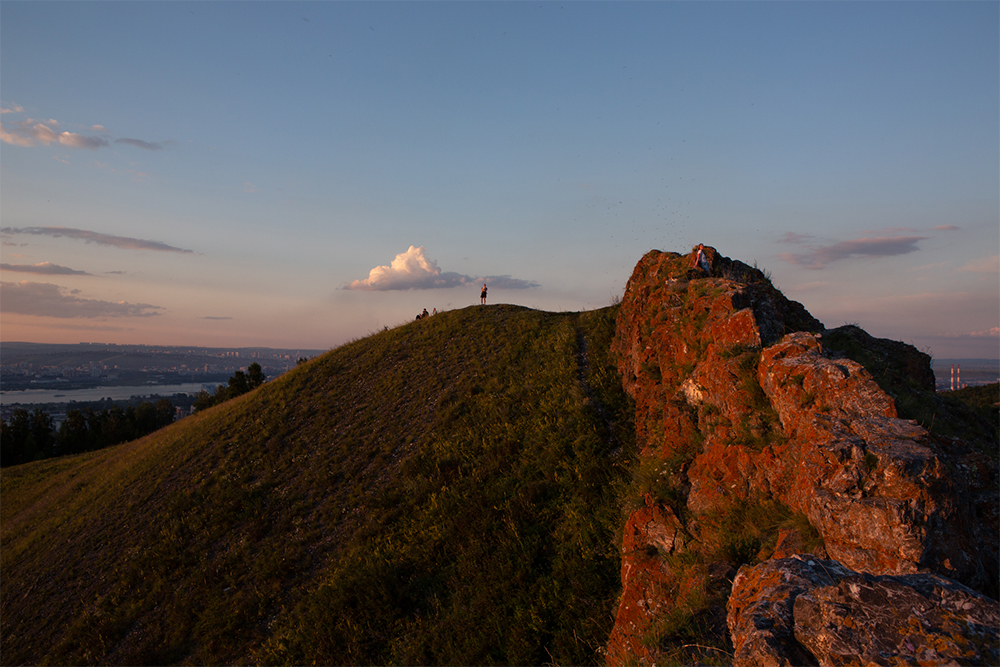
[806, 611]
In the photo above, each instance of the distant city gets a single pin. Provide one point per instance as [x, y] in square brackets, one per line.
[53, 376]
[952, 374]
[34, 373]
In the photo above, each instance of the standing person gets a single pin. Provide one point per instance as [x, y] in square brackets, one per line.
[482, 296]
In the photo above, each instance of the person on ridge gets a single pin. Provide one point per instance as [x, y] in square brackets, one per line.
[700, 260]
[482, 296]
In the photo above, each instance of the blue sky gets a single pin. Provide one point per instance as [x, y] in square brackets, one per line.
[301, 174]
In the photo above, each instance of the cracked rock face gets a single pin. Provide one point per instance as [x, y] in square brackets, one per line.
[806, 611]
[735, 380]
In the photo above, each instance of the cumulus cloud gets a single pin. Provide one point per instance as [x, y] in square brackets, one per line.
[139, 143]
[413, 270]
[16, 108]
[44, 268]
[49, 300]
[124, 242]
[817, 257]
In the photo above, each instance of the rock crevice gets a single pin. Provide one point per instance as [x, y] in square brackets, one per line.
[739, 399]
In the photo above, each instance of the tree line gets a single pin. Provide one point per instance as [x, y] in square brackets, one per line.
[31, 435]
[239, 384]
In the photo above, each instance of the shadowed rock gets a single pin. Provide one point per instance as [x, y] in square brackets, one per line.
[806, 611]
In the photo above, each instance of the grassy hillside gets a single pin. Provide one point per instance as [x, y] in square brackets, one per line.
[442, 492]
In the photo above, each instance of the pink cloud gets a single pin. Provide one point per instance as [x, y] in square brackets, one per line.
[48, 300]
[982, 265]
[44, 268]
[817, 257]
[27, 132]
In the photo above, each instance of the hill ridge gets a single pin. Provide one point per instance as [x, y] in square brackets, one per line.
[218, 539]
[501, 485]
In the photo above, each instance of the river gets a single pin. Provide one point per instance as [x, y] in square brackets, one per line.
[56, 395]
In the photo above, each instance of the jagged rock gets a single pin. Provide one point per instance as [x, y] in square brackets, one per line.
[806, 611]
[737, 393]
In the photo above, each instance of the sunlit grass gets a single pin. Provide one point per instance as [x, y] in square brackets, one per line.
[444, 491]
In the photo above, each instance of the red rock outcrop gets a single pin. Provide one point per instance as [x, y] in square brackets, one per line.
[806, 611]
[738, 399]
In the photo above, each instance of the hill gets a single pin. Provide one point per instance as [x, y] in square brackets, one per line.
[442, 492]
[701, 474]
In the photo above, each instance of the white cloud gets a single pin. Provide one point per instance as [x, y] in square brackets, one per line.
[413, 270]
[16, 108]
[49, 300]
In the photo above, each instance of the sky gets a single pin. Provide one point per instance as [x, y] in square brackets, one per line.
[299, 175]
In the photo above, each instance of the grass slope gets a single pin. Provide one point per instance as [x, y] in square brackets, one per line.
[442, 492]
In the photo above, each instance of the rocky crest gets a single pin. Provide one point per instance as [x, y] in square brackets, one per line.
[743, 402]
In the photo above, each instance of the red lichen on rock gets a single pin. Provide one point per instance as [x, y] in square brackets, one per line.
[737, 394]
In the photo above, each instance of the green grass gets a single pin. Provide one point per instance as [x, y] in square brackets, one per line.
[966, 414]
[442, 492]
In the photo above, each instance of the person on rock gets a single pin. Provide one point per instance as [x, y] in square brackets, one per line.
[482, 296]
[701, 259]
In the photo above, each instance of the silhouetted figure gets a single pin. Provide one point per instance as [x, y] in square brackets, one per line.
[482, 296]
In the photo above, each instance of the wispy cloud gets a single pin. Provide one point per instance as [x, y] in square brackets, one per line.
[49, 300]
[139, 143]
[28, 132]
[986, 333]
[983, 265]
[124, 242]
[819, 256]
[946, 228]
[413, 270]
[213, 317]
[44, 268]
